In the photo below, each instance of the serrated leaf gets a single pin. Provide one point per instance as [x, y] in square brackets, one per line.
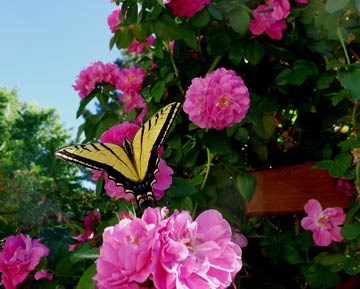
[239, 19]
[157, 91]
[332, 6]
[254, 52]
[86, 280]
[246, 185]
[350, 80]
[350, 231]
[291, 255]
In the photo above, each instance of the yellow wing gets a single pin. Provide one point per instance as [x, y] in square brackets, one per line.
[134, 164]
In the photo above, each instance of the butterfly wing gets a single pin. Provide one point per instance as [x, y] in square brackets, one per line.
[146, 143]
[108, 157]
[134, 164]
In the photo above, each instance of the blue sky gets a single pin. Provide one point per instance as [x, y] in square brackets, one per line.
[44, 46]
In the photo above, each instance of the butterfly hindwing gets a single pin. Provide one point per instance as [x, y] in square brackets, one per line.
[133, 165]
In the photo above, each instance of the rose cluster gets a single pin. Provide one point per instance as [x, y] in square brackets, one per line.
[167, 252]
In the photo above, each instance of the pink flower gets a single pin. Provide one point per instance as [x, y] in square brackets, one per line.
[219, 100]
[280, 9]
[42, 275]
[186, 8]
[195, 254]
[323, 223]
[265, 21]
[19, 256]
[131, 100]
[113, 19]
[117, 134]
[172, 252]
[125, 255]
[240, 239]
[95, 74]
[136, 47]
[130, 79]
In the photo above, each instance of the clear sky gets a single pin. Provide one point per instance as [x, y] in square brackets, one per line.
[44, 46]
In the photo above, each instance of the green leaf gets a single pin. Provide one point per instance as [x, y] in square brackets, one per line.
[236, 54]
[239, 19]
[317, 276]
[182, 187]
[201, 19]
[246, 185]
[283, 77]
[350, 231]
[86, 253]
[350, 80]
[332, 6]
[325, 164]
[125, 38]
[83, 103]
[216, 13]
[86, 280]
[157, 91]
[254, 52]
[218, 43]
[131, 12]
[291, 255]
[343, 161]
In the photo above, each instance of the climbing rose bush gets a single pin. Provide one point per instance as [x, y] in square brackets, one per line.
[116, 135]
[325, 224]
[19, 256]
[175, 251]
[219, 100]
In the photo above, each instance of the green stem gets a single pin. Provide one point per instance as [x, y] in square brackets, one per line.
[175, 68]
[214, 64]
[341, 38]
[208, 164]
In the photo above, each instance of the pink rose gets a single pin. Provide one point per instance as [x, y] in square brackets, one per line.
[186, 8]
[42, 275]
[265, 21]
[95, 74]
[195, 254]
[18, 257]
[219, 100]
[113, 19]
[130, 79]
[323, 223]
[125, 255]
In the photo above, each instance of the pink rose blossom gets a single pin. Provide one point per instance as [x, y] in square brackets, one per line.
[130, 79]
[96, 73]
[131, 100]
[265, 21]
[195, 254]
[280, 9]
[219, 100]
[240, 239]
[117, 134]
[43, 275]
[171, 252]
[136, 47]
[323, 223]
[113, 19]
[125, 255]
[186, 8]
[18, 257]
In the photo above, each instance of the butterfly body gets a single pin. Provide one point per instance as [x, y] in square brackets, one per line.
[134, 164]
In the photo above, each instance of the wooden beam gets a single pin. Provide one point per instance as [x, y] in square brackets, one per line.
[284, 191]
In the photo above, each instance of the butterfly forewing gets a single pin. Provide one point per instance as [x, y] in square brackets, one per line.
[100, 156]
[150, 137]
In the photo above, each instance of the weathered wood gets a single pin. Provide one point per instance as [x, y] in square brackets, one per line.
[285, 190]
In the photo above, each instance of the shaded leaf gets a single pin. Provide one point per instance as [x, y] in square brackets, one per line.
[246, 185]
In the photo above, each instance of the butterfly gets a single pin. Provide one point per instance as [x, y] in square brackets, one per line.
[134, 164]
